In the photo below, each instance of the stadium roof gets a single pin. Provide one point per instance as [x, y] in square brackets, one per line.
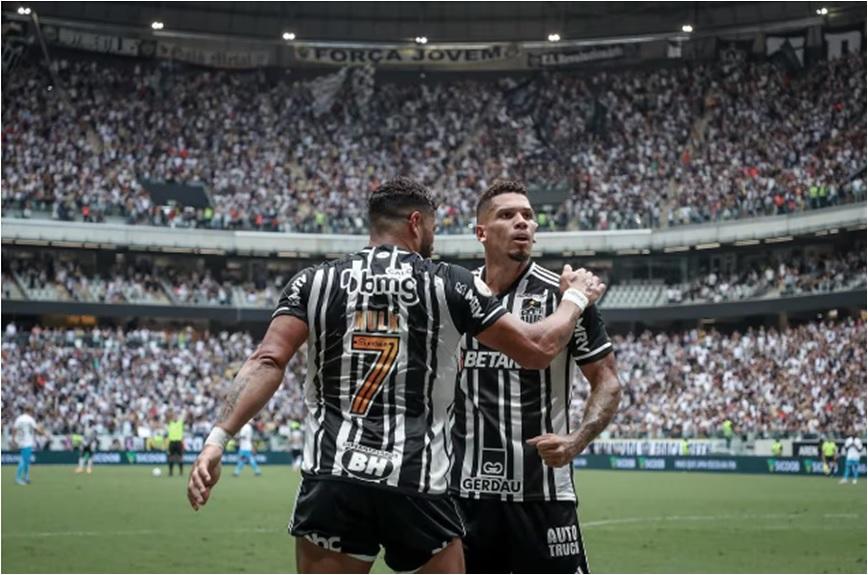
[442, 21]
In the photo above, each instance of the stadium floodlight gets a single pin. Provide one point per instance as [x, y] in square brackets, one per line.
[421, 39]
[554, 37]
[24, 10]
[156, 25]
[822, 11]
[289, 36]
[687, 28]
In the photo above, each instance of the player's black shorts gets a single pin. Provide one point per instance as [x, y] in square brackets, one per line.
[87, 451]
[522, 537]
[176, 448]
[358, 519]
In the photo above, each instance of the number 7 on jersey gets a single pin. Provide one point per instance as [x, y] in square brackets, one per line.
[386, 349]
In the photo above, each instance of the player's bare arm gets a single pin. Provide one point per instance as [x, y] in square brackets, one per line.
[559, 450]
[256, 382]
[534, 346]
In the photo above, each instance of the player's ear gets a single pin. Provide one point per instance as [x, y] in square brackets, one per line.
[480, 233]
[415, 222]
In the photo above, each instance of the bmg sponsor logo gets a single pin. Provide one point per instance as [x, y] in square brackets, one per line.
[367, 463]
[396, 282]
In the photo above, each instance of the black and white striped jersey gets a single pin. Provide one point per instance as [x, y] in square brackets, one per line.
[499, 405]
[384, 329]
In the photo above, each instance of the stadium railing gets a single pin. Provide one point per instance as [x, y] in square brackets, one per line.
[770, 229]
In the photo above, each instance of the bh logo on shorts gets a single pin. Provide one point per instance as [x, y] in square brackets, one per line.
[563, 541]
[367, 463]
[330, 543]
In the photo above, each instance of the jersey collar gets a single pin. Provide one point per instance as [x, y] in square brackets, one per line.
[517, 281]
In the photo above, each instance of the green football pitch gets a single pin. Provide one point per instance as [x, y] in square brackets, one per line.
[121, 519]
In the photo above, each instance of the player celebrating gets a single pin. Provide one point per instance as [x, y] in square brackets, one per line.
[245, 451]
[513, 450]
[382, 326]
[853, 449]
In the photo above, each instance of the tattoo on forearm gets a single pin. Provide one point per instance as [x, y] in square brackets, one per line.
[233, 394]
[600, 410]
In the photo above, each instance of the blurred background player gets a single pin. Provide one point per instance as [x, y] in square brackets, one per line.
[26, 429]
[88, 446]
[853, 449]
[296, 443]
[175, 428]
[829, 452]
[245, 451]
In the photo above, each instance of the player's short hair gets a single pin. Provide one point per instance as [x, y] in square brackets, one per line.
[497, 188]
[397, 199]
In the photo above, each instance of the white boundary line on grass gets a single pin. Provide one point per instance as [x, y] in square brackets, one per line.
[599, 523]
[654, 519]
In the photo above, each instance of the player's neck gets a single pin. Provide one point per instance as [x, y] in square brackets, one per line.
[382, 239]
[501, 273]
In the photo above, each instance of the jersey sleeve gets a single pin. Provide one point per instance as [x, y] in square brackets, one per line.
[472, 305]
[590, 341]
[294, 297]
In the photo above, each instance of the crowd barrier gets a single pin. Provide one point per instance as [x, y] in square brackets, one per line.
[735, 464]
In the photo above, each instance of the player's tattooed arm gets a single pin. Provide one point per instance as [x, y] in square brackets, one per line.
[602, 403]
[262, 373]
[558, 450]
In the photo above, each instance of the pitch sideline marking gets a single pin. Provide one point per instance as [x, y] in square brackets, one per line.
[652, 519]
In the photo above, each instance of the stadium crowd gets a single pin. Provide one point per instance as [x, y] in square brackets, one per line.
[808, 378]
[795, 275]
[676, 145]
[141, 281]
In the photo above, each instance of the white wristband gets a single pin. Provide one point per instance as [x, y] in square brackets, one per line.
[575, 296]
[218, 437]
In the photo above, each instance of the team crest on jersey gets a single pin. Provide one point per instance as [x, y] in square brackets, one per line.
[531, 309]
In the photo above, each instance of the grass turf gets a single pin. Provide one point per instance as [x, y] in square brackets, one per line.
[121, 519]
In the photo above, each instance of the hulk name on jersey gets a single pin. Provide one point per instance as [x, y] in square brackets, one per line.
[499, 405]
[384, 324]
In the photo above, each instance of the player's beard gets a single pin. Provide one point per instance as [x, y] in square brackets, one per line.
[520, 256]
[427, 247]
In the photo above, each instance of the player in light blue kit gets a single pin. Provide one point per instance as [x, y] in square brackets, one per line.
[25, 438]
[245, 451]
[853, 448]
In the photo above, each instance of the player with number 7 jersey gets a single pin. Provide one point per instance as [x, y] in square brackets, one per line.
[382, 326]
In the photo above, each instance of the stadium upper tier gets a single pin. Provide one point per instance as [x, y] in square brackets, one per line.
[805, 379]
[50, 276]
[688, 144]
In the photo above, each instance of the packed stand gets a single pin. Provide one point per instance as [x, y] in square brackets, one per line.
[676, 145]
[54, 279]
[796, 275]
[807, 379]
[120, 380]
